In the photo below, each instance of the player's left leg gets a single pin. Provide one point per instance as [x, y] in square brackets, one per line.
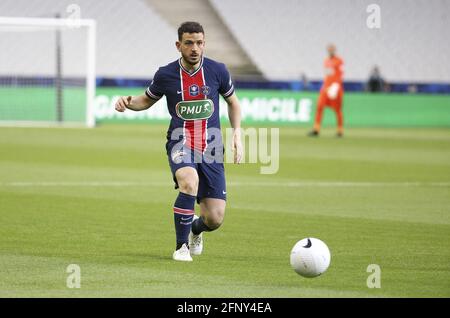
[340, 121]
[212, 212]
[339, 114]
[212, 199]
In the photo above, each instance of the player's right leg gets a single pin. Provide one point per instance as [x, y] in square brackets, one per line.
[183, 209]
[186, 180]
[319, 112]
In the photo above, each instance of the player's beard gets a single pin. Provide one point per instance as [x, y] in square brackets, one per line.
[192, 61]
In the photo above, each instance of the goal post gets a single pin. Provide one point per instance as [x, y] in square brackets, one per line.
[47, 71]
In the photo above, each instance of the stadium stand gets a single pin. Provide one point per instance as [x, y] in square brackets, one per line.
[287, 38]
[275, 42]
[132, 40]
[221, 44]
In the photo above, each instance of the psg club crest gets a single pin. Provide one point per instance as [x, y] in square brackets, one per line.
[205, 90]
[193, 90]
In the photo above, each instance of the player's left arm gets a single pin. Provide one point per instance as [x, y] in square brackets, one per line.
[234, 114]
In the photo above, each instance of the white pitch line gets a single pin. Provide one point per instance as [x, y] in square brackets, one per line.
[357, 184]
[251, 184]
[82, 184]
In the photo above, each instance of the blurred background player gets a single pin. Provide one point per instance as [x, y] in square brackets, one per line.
[331, 92]
[376, 82]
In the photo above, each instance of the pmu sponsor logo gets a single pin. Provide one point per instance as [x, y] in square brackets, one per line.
[195, 109]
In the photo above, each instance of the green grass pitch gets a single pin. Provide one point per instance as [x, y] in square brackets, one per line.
[101, 198]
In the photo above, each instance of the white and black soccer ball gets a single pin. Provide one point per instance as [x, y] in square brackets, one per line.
[310, 257]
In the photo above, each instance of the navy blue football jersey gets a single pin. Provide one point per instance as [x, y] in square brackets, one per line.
[192, 98]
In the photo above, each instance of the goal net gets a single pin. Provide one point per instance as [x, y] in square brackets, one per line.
[47, 71]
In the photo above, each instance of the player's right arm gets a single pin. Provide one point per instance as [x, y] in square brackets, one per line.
[137, 103]
[142, 102]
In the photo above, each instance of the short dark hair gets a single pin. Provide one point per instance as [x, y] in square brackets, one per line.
[189, 27]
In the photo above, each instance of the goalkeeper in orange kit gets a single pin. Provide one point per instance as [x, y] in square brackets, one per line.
[331, 92]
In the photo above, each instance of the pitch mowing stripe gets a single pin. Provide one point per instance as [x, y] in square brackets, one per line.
[254, 184]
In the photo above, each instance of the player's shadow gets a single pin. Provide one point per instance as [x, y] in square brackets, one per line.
[145, 257]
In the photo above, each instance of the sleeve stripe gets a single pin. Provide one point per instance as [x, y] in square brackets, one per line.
[230, 92]
[151, 95]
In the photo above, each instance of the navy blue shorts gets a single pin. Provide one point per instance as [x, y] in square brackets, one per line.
[211, 175]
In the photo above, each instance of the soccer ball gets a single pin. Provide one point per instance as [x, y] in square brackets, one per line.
[310, 257]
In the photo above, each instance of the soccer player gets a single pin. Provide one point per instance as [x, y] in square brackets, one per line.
[331, 92]
[194, 147]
